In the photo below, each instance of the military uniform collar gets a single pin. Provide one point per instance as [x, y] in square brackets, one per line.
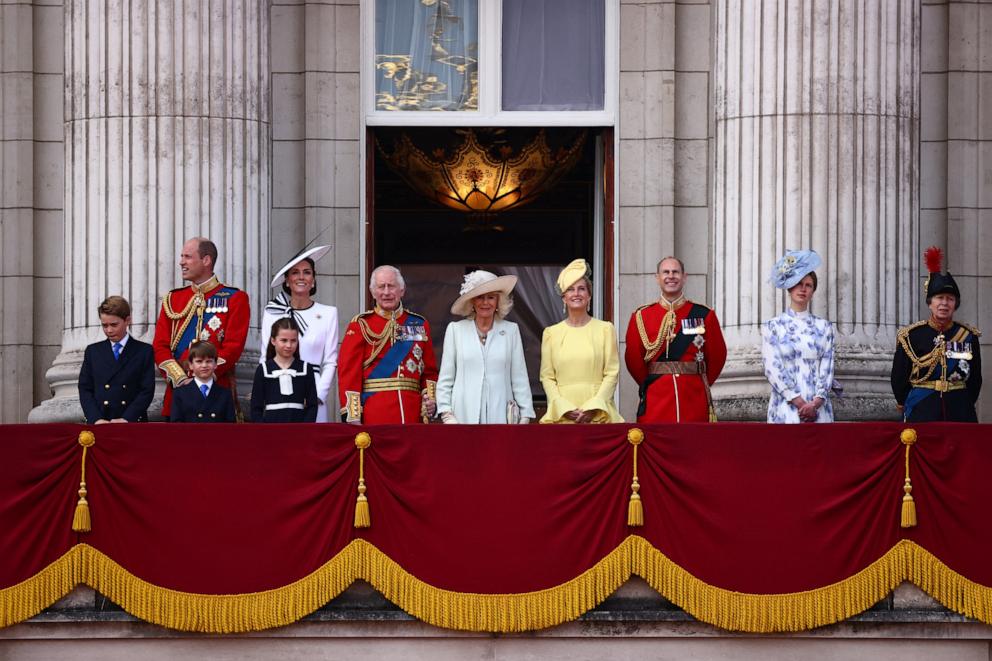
[932, 323]
[386, 314]
[204, 287]
[672, 305]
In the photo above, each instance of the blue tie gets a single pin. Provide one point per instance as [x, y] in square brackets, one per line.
[204, 389]
[117, 350]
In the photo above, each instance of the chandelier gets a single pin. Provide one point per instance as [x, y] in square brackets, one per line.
[483, 180]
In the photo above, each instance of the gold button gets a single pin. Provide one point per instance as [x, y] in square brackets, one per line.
[106, 386]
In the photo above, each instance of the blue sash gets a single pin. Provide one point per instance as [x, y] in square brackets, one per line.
[917, 395]
[190, 333]
[387, 366]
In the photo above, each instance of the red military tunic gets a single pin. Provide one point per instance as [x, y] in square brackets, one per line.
[210, 311]
[676, 389]
[385, 365]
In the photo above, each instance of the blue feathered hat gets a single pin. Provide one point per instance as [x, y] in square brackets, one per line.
[793, 267]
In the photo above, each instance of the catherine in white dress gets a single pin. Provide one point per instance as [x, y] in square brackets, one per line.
[798, 347]
[318, 323]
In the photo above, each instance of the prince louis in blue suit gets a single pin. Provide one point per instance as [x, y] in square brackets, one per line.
[117, 381]
[202, 399]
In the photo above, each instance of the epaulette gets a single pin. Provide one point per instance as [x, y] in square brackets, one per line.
[971, 329]
[360, 315]
[644, 307]
[418, 316]
[904, 331]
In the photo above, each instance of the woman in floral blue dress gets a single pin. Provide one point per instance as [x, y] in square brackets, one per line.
[798, 347]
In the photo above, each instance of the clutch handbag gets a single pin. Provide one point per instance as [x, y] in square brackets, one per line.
[512, 413]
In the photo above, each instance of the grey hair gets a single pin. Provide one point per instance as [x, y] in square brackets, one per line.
[386, 267]
[502, 308]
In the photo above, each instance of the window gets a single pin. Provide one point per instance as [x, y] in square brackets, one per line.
[495, 62]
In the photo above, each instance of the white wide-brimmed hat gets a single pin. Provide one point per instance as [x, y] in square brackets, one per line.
[314, 253]
[478, 283]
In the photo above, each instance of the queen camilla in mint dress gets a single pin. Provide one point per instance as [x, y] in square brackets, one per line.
[798, 347]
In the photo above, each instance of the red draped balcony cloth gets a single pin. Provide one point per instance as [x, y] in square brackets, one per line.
[751, 527]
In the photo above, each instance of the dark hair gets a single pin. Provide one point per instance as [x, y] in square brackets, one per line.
[313, 267]
[207, 248]
[658, 267]
[286, 323]
[811, 274]
[202, 350]
[116, 306]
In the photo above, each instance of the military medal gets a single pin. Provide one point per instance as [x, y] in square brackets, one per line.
[699, 341]
[204, 335]
[693, 326]
[958, 350]
[214, 323]
[418, 352]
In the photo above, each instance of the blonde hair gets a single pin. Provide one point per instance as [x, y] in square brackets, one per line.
[502, 308]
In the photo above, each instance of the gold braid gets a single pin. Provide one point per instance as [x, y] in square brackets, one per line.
[381, 339]
[653, 347]
[929, 361]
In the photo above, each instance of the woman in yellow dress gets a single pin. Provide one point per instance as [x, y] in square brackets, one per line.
[579, 360]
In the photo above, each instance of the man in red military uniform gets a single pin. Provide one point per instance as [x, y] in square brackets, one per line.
[387, 373]
[675, 351]
[205, 310]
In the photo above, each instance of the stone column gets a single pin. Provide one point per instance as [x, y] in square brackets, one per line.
[166, 136]
[16, 210]
[817, 146]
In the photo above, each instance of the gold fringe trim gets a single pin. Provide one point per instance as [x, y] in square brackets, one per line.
[735, 611]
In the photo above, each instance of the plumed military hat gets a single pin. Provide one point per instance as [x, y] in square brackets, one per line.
[937, 282]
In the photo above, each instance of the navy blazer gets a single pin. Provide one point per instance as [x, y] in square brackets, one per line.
[189, 404]
[117, 388]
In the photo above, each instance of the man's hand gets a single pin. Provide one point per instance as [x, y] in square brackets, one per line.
[101, 421]
[118, 420]
[183, 382]
[429, 406]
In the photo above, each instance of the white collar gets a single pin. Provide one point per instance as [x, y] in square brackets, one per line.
[209, 384]
[122, 341]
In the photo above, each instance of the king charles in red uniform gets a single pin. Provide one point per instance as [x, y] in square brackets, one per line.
[675, 351]
[205, 310]
[387, 372]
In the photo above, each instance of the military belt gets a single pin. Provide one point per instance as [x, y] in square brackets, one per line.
[676, 367]
[941, 385]
[393, 383]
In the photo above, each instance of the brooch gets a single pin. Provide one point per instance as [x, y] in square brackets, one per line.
[214, 323]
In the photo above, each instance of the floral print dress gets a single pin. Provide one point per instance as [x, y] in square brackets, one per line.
[798, 353]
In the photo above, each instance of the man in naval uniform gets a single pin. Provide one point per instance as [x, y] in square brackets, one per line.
[205, 310]
[937, 369]
[675, 351]
[387, 373]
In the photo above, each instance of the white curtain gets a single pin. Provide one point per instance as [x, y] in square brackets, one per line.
[426, 54]
[554, 54]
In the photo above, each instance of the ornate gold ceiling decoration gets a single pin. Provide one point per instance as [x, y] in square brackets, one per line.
[479, 180]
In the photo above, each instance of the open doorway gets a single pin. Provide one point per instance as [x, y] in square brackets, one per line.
[436, 245]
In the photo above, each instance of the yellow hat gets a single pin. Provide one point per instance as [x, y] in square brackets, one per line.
[575, 271]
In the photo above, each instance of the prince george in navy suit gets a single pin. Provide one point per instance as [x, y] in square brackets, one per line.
[202, 399]
[117, 381]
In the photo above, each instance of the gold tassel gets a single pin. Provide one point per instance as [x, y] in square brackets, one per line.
[908, 438]
[362, 517]
[81, 518]
[635, 508]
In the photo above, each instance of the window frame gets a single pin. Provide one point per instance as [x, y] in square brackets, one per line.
[490, 112]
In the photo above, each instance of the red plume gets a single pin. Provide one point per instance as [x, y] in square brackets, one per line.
[933, 257]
